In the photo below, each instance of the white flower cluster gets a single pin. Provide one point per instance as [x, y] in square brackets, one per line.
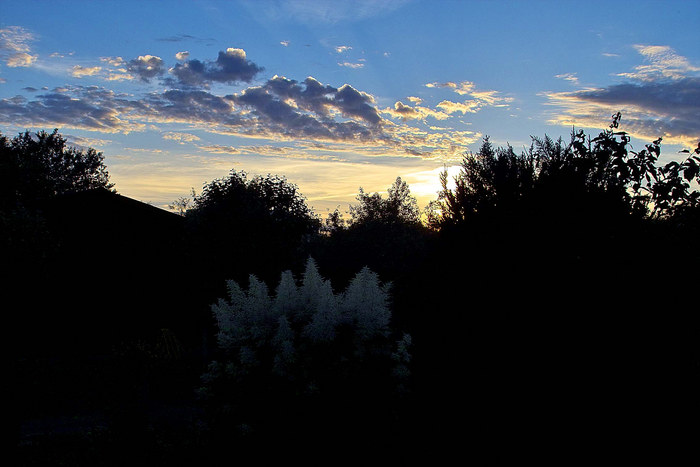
[255, 327]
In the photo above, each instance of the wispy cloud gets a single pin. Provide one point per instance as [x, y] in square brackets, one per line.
[479, 99]
[342, 48]
[180, 138]
[354, 66]
[14, 47]
[662, 62]
[465, 87]
[285, 43]
[80, 71]
[85, 142]
[571, 77]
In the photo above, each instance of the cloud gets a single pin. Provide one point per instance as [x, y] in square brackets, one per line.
[180, 138]
[660, 98]
[230, 66]
[21, 59]
[351, 65]
[14, 47]
[342, 48]
[146, 67]
[61, 55]
[182, 56]
[670, 109]
[480, 99]
[662, 62]
[86, 108]
[571, 77]
[320, 100]
[180, 38]
[352, 102]
[83, 142]
[80, 71]
[465, 107]
[114, 61]
[307, 114]
[285, 43]
[407, 112]
[465, 87]
[220, 149]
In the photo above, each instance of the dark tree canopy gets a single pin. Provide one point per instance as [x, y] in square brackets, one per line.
[36, 167]
[256, 224]
[601, 175]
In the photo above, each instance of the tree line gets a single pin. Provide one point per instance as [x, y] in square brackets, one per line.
[534, 281]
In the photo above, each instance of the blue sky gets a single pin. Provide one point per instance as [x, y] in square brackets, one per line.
[337, 95]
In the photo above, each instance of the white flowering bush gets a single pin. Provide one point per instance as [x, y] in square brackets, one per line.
[304, 345]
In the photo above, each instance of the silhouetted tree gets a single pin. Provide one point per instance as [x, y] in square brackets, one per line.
[38, 166]
[239, 224]
[384, 233]
[601, 173]
[35, 168]
[183, 203]
[399, 206]
[491, 180]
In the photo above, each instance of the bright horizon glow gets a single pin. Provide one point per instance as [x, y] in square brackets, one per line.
[339, 95]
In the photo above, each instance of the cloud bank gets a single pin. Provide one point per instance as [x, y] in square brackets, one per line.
[320, 120]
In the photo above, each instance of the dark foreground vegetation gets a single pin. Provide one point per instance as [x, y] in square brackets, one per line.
[544, 308]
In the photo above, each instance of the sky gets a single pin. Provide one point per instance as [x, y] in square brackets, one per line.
[338, 95]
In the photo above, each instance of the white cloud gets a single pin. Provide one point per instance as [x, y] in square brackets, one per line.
[351, 65]
[80, 71]
[342, 48]
[182, 55]
[21, 59]
[463, 88]
[14, 47]
[571, 77]
[114, 61]
[449, 107]
[479, 99]
[285, 43]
